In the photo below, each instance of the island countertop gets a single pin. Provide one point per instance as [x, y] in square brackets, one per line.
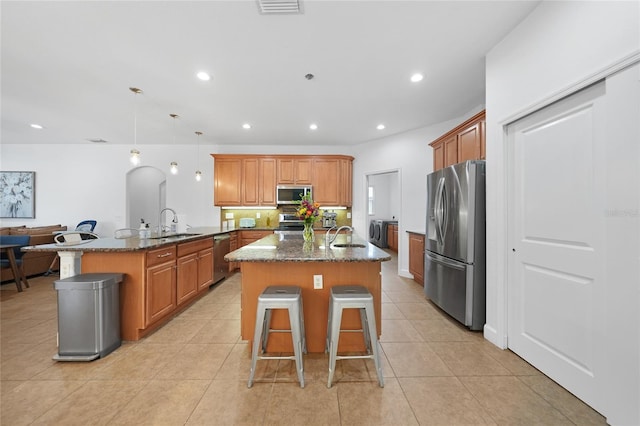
[292, 248]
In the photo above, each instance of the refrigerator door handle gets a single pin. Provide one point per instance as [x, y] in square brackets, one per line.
[445, 261]
[439, 210]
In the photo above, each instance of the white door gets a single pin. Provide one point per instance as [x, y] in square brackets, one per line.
[556, 187]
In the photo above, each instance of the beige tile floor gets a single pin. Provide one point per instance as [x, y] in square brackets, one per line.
[194, 370]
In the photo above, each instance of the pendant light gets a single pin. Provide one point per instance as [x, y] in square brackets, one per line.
[198, 172]
[135, 153]
[173, 166]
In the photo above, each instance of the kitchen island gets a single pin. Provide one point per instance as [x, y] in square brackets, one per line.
[162, 276]
[287, 260]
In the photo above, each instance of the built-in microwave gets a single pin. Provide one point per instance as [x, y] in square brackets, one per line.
[291, 194]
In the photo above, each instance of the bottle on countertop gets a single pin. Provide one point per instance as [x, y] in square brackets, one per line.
[174, 225]
[142, 233]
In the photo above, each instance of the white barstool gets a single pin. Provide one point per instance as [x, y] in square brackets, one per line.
[279, 297]
[352, 297]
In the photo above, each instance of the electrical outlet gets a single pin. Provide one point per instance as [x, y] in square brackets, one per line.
[348, 215]
[258, 215]
[317, 282]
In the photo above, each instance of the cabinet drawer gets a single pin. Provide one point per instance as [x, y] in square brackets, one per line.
[194, 246]
[161, 255]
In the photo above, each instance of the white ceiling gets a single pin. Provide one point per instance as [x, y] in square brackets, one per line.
[69, 65]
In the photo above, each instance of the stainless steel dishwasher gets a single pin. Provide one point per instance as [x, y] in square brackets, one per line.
[220, 248]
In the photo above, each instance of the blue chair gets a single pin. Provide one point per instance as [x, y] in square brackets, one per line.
[86, 225]
[20, 241]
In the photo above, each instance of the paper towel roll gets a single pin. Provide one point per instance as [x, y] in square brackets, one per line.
[182, 223]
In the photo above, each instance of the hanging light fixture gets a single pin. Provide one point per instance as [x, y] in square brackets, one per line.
[135, 153]
[173, 167]
[198, 172]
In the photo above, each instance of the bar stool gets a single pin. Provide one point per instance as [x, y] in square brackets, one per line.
[279, 297]
[352, 297]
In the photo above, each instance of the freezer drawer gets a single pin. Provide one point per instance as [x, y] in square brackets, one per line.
[456, 288]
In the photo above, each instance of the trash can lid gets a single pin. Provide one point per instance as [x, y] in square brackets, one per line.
[94, 280]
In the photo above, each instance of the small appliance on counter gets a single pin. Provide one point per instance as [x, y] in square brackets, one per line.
[329, 219]
[247, 222]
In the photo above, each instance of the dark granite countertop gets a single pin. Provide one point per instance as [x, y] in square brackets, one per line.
[130, 244]
[416, 232]
[292, 248]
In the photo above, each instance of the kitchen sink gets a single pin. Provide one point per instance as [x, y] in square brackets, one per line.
[348, 245]
[167, 236]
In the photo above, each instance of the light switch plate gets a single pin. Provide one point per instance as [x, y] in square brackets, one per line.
[317, 282]
[258, 215]
[228, 215]
[348, 215]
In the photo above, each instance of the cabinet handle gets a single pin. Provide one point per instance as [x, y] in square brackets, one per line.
[164, 255]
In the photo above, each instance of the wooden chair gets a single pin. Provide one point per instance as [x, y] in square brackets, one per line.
[5, 257]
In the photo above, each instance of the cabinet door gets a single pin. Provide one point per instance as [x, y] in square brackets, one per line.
[438, 156]
[227, 182]
[469, 146]
[416, 257]
[392, 236]
[326, 182]
[161, 291]
[346, 182]
[285, 171]
[450, 151]
[250, 181]
[303, 171]
[233, 245]
[187, 278]
[205, 268]
[267, 182]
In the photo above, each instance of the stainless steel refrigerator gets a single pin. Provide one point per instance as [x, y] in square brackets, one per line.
[455, 252]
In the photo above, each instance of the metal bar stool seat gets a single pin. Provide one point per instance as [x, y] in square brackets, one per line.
[279, 297]
[352, 297]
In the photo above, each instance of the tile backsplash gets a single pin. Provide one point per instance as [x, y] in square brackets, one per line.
[269, 217]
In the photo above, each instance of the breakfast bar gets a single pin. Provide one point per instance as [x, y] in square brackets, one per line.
[315, 267]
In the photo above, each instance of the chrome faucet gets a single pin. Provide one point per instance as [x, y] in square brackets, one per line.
[328, 239]
[161, 227]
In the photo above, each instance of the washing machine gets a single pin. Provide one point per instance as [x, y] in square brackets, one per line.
[378, 233]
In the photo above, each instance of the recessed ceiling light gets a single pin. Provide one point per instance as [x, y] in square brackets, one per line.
[203, 76]
[417, 77]
[246, 126]
[313, 126]
[380, 127]
[36, 126]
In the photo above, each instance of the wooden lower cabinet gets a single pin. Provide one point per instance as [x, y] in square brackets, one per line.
[233, 245]
[157, 283]
[161, 291]
[416, 257]
[248, 236]
[392, 237]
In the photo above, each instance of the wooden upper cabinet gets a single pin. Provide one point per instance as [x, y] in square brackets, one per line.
[465, 142]
[450, 151]
[251, 180]
[438, 155]
[227, 181]
[327, 184]
[346, 182]
[267, 182]
[295, 171]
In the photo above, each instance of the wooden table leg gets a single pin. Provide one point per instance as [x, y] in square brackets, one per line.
[18, 276]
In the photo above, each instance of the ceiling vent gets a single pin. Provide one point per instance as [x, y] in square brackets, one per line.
[269, 7]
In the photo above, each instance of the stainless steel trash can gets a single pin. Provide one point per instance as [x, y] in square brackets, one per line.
[88, 316]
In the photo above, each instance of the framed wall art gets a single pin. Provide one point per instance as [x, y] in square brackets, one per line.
[18, 195]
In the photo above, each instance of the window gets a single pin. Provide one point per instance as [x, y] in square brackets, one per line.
[370, 199]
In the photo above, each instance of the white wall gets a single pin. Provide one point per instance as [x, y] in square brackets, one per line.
[559, 47]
